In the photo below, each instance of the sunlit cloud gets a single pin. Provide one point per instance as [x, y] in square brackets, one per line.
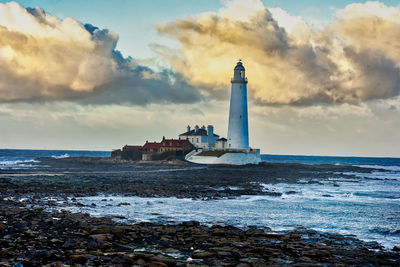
[353, 59]
[45, 58]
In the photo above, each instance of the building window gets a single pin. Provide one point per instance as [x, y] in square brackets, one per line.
[197, 139]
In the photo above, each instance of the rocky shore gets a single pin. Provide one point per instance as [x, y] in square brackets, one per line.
[33, 234]
[91, 176]
[33, 237]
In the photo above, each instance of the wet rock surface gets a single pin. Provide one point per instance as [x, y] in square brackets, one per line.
[91, 176]
[33, 237]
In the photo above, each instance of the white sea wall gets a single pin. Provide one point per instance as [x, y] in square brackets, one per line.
[228, 158]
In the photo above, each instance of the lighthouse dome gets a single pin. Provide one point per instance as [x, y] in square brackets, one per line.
[239, 73]
[239, 66]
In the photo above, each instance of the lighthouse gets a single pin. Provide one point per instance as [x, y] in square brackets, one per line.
[238, 128]
[237, 150]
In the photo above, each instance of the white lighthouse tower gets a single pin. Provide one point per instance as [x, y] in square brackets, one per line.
[238, 129]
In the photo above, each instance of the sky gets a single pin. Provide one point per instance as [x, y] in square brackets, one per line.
[324, 76]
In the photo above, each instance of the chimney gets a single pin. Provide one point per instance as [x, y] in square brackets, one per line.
[196, 128]
[188, 128]
[163, 138]
[210, 133]
[203, 128]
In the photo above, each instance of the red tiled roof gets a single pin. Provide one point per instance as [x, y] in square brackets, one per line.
[151, 145]
[172, 143]
[133, 147]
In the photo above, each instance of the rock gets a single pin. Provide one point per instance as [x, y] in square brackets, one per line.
[123, 204]
[255, 232]
[203, 254]
[100, 237]
[224, 254]
[69, 243]
[295, 236]
[101, 230]
[163, 259]
[157, 264]
[96, 253]
[4, 254]
[118, 231]
[190, 224]
[396, 248]
[200, 236]
[119, 217]
[2, 226]
[78, 258]
[304, 259]
[141, 262]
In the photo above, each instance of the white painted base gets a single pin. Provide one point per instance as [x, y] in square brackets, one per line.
[227, 158]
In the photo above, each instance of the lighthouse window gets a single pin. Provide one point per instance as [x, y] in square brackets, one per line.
[242, 74]
[240, 116]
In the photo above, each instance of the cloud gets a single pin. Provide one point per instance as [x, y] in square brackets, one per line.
[354, 59]
[45, 58]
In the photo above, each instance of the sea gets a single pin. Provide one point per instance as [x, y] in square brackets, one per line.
[14, 159]
[366, 206]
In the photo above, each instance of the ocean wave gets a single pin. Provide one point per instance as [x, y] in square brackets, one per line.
[378, 175]
[358, 193]
[17, 164]
[385, 231]
[61, 156]
[380, 167]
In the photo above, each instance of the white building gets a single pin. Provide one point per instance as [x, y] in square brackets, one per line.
[221, 144]
[200, 137]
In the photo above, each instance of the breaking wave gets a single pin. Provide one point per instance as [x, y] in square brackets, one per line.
[17, 164]
[66, 155]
